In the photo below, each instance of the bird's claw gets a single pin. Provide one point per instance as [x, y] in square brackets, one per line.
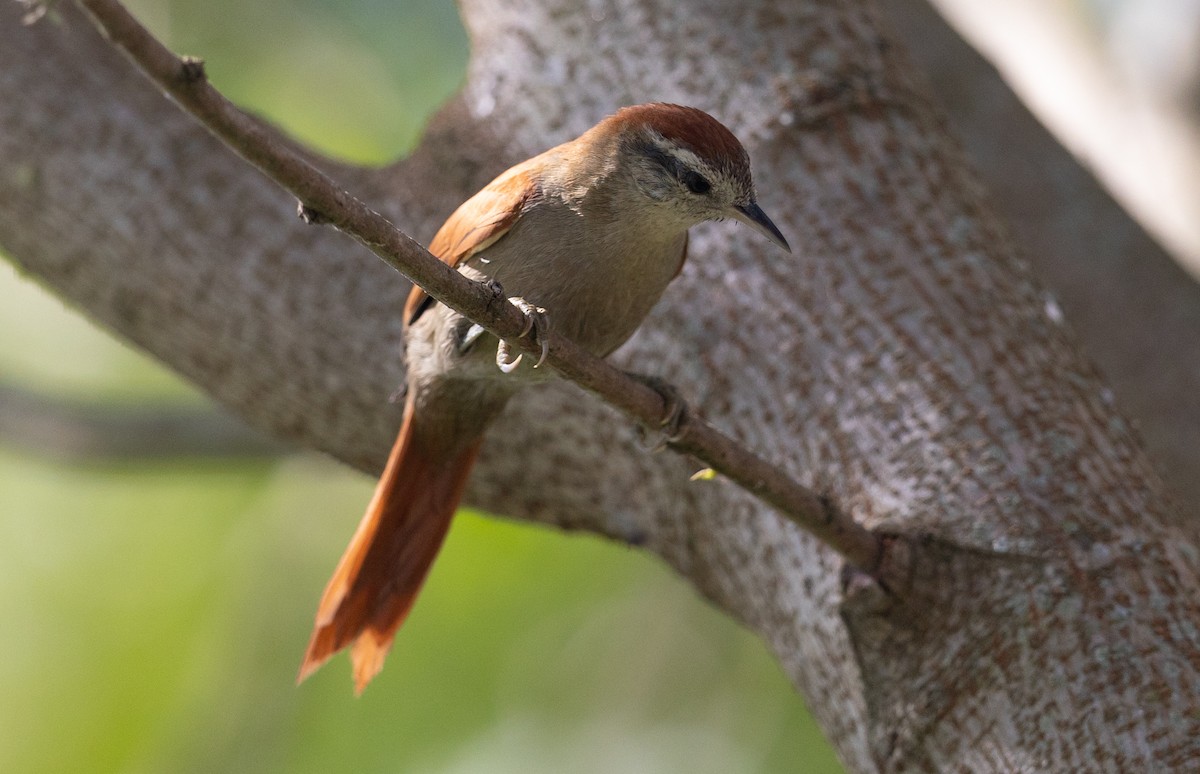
[670, 427]
[537, 324]
[502, 358]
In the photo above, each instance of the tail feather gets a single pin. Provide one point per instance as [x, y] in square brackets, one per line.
[382, 570]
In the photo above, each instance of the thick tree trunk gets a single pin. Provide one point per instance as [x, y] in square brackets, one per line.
[1135, 310]
[905, 363]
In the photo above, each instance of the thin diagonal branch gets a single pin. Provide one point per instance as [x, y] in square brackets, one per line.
[322, 199]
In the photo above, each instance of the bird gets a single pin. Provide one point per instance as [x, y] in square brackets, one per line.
[585, 237]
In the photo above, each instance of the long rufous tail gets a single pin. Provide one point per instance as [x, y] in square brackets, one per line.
[379, 576]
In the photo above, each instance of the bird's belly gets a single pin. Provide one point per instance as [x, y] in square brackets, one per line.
[596, 298]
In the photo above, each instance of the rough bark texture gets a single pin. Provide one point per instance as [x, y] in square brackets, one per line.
[905, 363]
[1135, 310]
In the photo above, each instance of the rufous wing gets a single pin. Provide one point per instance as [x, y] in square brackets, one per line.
[478, 223]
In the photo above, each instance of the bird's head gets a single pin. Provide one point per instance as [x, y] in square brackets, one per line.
[683, 159]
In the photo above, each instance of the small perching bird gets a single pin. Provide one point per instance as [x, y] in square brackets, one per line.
[590, 233]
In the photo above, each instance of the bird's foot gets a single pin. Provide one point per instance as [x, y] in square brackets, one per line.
[537, 325]
[670, 427]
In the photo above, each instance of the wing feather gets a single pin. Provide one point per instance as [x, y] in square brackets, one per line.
[477, 224]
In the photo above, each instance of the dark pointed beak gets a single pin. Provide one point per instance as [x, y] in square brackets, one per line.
[752, 215]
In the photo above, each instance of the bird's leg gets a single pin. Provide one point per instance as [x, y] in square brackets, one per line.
[537, 324]
[470, 332]
[670, 426]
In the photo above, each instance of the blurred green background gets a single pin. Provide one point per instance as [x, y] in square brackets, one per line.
[154, 613]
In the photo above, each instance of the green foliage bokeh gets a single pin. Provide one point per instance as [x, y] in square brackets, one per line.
[155, 613]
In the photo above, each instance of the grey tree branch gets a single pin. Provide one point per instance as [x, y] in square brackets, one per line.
[324, 201]
[906, 363]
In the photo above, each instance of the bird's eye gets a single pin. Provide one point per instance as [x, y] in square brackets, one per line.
[696, 183]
